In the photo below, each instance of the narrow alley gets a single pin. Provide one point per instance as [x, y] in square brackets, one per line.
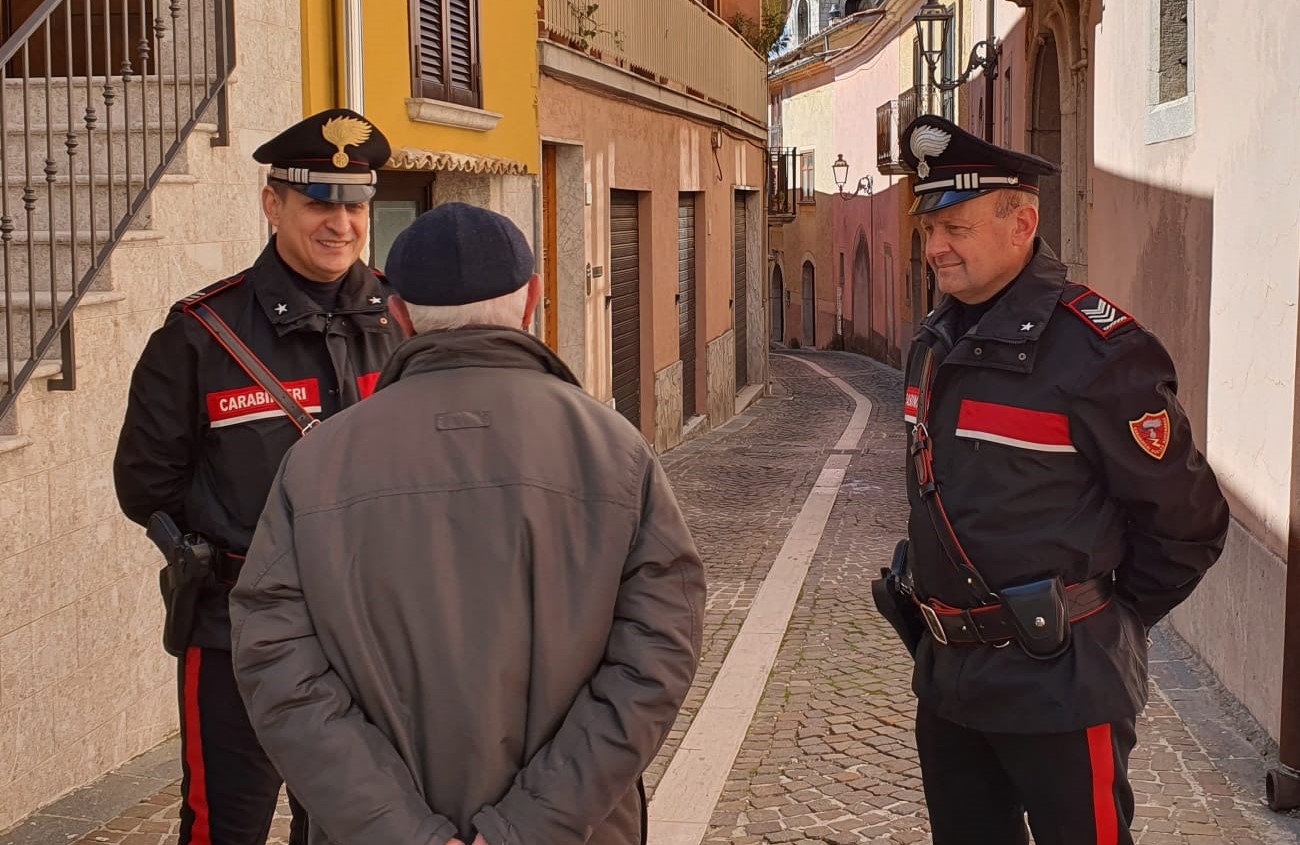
[820, 750]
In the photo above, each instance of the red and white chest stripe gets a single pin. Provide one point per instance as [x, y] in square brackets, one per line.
[1040, 431]
[246, 404]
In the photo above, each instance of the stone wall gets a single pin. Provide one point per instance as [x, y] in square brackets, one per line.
[668, 407]
[721, 362]
[84, 682]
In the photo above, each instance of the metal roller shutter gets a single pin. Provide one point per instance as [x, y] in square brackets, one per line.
[625, 310]
[741, 310]
[686, 299]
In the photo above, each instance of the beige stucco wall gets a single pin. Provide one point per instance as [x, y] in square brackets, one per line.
[628, 147]
[808, 125]
[1200, 236]
[84, 682]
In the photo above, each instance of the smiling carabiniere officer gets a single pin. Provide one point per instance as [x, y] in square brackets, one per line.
[236, 375]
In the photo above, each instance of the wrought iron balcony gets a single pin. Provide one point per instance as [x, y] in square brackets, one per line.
[782, 184]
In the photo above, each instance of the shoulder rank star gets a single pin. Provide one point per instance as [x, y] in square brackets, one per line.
[1151, 431]
[281, 308]
[1027, 327]
[374, 300]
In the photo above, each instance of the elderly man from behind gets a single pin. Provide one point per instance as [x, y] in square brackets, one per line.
[472, 608]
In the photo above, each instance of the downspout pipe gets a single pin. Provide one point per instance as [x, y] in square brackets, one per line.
[354, 67]
[989, 77]
[1282, 784]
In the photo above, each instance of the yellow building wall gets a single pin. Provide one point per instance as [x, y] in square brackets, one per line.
[508, 54]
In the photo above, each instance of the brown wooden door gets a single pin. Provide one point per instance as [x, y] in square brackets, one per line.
[625, 304]
[112, 24]
[740, 299]
[686, 300]
[550, 251]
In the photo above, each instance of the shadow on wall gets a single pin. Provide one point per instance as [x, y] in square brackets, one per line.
[1152, 254]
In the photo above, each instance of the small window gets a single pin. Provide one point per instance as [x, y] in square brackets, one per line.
[399, 199]
[1171, 70]
[445, 51]
[1172, 66]
[807, 177]
[803, 20]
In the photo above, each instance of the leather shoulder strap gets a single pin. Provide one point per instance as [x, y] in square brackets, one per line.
[251, 364]
[923, 466]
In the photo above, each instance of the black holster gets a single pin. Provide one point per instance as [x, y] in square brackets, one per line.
[892, 594]
[188, 569]
[1039, 613]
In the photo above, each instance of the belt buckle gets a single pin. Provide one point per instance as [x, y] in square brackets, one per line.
[932, 622]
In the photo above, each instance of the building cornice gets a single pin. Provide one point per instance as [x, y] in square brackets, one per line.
[582, 71]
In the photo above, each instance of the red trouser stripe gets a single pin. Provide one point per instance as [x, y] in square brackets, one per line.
[197, 798]
[1102, 752]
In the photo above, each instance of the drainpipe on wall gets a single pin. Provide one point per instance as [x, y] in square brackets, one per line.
[989, 77]
[354, 68]
[1283, 783]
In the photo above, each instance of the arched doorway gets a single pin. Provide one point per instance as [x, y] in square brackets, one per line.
[1045, 139]
[776, 300]
[862, 287]
[809, 306]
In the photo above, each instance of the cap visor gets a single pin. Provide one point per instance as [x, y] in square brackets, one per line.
[342, 194]
[926, 203]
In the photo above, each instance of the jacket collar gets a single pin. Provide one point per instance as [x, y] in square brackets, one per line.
[362, 296]
[473, 346]
[1018, 319]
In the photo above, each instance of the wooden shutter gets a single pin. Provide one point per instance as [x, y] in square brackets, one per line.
[445, 51]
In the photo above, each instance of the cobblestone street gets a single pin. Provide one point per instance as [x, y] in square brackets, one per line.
[829, 755]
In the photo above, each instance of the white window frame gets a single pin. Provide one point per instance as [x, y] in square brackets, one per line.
[1176, 118]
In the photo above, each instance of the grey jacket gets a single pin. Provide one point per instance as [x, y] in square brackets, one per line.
[471, 604]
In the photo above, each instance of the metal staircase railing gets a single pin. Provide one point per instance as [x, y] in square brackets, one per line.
[110, 90]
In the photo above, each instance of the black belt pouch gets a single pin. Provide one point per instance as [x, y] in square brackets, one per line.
[1040, 616]
[892, 594]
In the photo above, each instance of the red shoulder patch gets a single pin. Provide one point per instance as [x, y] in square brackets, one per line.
[1102, 316]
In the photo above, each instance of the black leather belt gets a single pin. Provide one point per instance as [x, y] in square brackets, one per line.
[988, 625]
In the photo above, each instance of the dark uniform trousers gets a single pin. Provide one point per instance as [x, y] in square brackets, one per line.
[979, 786]
[229, 789]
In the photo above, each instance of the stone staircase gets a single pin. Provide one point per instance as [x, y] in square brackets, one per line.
[84, 682]
[69, 229]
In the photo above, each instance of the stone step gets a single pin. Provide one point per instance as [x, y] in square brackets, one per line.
[121, 102]
[132, 151]
[12, 442]
[18, 260]
[82, 189]
[19, 318]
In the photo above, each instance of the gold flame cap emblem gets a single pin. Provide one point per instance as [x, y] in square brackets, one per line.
[345, 132]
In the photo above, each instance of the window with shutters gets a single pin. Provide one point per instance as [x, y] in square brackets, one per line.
[807, 177]
[445, 51]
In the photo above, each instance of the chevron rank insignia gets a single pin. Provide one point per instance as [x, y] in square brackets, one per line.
[1100, 313]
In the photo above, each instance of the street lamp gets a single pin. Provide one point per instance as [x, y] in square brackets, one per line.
[841, 170]
[932, 23]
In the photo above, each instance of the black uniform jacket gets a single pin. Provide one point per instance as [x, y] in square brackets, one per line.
[1059, 448]
[202, 441]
